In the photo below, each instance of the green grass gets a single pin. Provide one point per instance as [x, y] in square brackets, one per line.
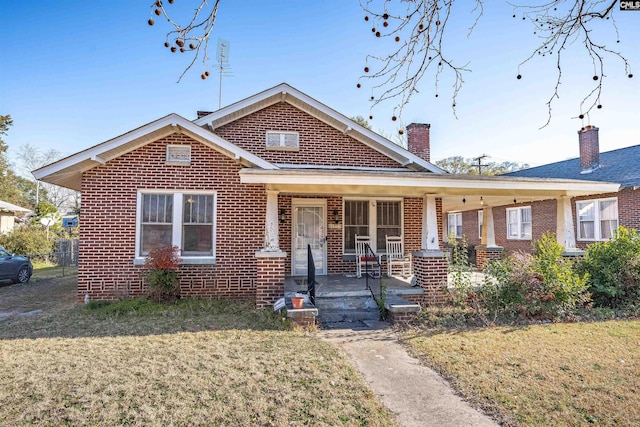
[191, 363]
[45, 271]
[542, 375]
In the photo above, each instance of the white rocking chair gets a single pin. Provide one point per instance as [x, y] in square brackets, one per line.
[366, 262]
[396, 256]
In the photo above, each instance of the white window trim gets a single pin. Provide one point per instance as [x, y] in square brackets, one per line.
[373, 220]
[455, 215]
[519, 210]
[597, 231]
[178, 197]
[282, 147]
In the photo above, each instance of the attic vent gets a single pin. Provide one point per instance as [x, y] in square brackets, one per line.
[283, 140]
[179, 155]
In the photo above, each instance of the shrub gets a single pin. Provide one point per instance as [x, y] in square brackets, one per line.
[27, 240]
[161, 271]
[542, 285]
[459, 269]
[614, 269]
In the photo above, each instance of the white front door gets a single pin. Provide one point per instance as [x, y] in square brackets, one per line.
[309, 228]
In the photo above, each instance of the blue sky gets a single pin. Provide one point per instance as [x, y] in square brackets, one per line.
[76, 73]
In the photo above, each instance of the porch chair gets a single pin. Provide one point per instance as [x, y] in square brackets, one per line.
[396, 256]
[366, 262]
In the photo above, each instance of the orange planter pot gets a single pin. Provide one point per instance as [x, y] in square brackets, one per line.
[297, 302]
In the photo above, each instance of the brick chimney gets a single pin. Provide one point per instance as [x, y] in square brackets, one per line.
[201, 114]
[589, 149]
[418, 140]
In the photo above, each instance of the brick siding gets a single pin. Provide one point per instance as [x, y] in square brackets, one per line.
[320, 144]
[107, 232]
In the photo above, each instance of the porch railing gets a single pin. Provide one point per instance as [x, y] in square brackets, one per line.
[373, 274]
[311, 276]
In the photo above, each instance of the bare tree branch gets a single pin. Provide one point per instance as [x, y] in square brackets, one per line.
[561, 23]
[419, 28]
[193, 37]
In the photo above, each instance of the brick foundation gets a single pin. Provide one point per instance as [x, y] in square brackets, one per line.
[485, 254]
[430, 268]
[269, 277]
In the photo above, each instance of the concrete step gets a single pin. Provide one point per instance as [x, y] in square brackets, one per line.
[364, 302]
[334, 315]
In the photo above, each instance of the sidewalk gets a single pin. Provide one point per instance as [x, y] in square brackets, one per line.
[415, 393]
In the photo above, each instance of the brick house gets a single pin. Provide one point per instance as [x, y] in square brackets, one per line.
[244, 189]
[594, 217]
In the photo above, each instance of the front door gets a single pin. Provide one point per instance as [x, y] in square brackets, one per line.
[309, 228]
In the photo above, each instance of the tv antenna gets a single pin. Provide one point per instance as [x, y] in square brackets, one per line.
[222, 57]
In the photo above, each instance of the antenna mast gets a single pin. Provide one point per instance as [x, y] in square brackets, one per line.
[222, 56]
[480, 165]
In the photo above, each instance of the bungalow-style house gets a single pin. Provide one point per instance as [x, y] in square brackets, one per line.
[595, 217]
[9, 214]
[243, 191]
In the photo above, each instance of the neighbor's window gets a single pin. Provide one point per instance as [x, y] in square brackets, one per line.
[597, 219]
[373, 218]
[519, 223]
[186, 220]
[480, 221]
[454, 225]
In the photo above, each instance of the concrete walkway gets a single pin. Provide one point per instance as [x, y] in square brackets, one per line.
[416, 394]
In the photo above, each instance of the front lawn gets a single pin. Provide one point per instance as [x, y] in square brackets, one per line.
[542, 375]
[194, 363]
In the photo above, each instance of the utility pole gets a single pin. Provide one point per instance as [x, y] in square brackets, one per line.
[480, 165]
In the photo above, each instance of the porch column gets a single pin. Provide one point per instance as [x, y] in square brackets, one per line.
[487, 250]
[430, 239]
[488, 230]
[564, 224]
[271, 240]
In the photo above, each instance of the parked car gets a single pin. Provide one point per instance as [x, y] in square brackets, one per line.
[14, 267]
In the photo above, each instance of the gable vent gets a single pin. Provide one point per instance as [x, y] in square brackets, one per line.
[283, 140]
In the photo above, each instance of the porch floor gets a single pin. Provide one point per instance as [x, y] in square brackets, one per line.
[349, 285]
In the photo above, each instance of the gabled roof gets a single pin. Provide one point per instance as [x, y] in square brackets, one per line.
[68, 171]
[10, 207]
[285, 93]
[621, 166]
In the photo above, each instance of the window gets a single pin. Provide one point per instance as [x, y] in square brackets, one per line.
[283, 140]
[519, 223]
[373, 218]
[186, 220]
[480, 221]
[454, 225]
[597, 219]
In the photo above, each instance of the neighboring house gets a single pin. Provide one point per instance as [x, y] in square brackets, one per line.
[9, 214]
[595, 216]
[243, 191]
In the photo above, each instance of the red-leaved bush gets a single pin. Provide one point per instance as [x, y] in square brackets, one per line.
[161, 271]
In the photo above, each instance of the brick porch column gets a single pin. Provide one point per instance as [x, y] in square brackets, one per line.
[484, 254]
[430, 268]
[269, 277]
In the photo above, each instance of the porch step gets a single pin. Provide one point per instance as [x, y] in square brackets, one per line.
[336, 315]
[342, 301]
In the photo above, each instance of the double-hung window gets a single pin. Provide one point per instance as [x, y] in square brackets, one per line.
[182, 219]
[597, 219]
[374, 218]
[519, 223]
[454, 225]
